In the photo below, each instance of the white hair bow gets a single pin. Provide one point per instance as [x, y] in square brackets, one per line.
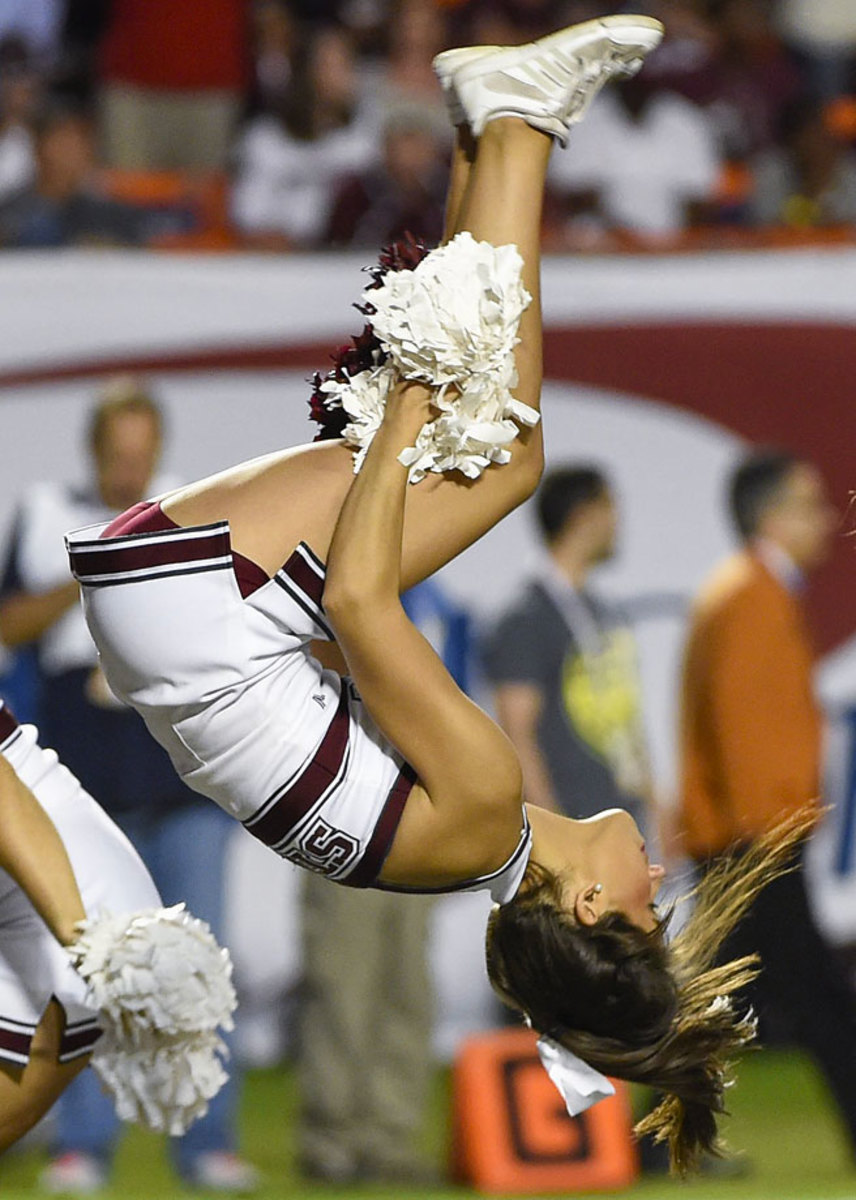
[579, 1084]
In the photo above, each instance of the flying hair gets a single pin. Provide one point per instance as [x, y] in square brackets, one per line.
[632, 1004]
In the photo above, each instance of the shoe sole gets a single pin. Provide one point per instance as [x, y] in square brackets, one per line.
[638, 33]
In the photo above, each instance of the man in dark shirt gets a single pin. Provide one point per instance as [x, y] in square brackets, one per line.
[403, 193]
[563, 662]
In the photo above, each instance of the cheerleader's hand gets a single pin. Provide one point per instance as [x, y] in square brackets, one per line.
[410, 406]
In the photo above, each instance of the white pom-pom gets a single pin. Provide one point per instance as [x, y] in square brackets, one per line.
[163, 988]
[363, 399]
[451, 322]
[162, 1083]
[455, 314]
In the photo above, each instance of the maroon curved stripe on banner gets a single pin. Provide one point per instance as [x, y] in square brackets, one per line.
[231, 358]
[787, 383]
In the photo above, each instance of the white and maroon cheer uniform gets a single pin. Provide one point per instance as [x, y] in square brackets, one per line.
[111, 878]
[221, 672]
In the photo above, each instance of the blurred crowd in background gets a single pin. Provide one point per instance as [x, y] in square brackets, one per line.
[283, 125]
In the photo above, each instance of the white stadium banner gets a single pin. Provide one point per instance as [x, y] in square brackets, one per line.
[659, 368]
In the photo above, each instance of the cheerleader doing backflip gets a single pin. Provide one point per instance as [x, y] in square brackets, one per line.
[386, 775]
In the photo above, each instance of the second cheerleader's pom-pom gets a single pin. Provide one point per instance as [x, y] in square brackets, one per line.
[163, 989]
[452, 323]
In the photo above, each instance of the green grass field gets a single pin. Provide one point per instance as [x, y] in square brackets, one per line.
[781, 1118]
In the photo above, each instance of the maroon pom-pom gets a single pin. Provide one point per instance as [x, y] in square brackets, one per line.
[331, 417]
[402, 255]
[364, 351]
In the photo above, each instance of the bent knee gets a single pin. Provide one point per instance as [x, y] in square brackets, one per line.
[18, 1121]
[28, 1092]
[23, 1102]
[26, 1095]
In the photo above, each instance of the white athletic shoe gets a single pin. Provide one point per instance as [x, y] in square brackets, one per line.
[73, 1174]
[549, 83]
[223, 1171]
[446, 64]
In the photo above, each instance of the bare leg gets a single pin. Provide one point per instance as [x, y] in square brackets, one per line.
[296, 495]
[460, 171]
[27, 1093]
[502, 204]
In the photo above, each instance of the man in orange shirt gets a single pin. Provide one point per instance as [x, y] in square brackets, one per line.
[751, 746]
[751, 728]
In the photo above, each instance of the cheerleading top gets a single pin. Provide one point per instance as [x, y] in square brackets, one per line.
[215, 656]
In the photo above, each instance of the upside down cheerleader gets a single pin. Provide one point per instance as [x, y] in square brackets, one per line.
[215, 608]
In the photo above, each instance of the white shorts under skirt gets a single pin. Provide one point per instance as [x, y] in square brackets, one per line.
[228, 686]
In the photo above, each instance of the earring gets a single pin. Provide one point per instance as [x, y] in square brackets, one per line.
[597, 889]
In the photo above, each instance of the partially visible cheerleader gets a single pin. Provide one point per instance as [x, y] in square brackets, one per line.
[76, 907]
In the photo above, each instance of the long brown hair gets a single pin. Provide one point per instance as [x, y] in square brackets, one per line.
[635, 1005]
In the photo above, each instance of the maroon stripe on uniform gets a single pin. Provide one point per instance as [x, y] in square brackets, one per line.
[77, 1041]
[141, 553]
[310, 582]
[15, 1042]
[293, 805]
[8, 724]
[149, 517]
[380, 842]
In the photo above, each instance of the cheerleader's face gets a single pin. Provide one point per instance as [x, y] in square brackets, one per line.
[619, 875]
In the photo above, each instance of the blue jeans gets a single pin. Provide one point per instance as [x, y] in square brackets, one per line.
[185, 853]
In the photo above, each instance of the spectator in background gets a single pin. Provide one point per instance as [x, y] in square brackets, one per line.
[748, 79]
[404, 193]
[690, 43]
[562, 663]
[75, 72]
[823, 32]
[326, 12]
[751, 748]
[181, 839]
[366, 1016]
[367, 23]
[64, 206]
[274, 39]
[364, 1042]
[173, 79]
[287, 165]
[510, 22]
[20, 87]
[37, 23]
[404, 77]
[644, 163]
[808, 180]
